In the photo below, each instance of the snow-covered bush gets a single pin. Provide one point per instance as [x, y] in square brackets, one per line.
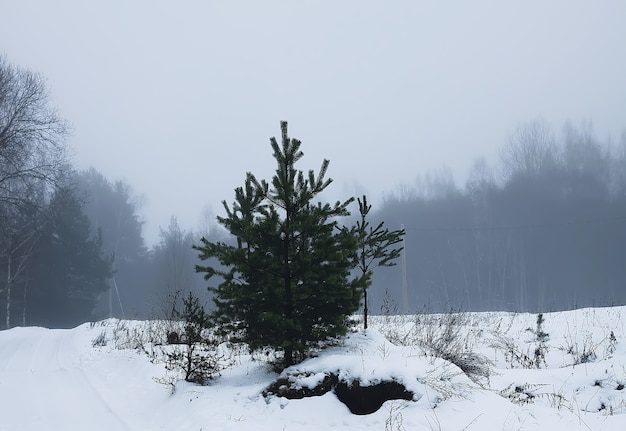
[197, 355]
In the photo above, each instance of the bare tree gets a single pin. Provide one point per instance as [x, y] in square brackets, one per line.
[175, 258]
[530, 150]
[33, 160]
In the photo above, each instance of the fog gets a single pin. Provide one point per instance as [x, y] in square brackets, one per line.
[494, 133]
[180, 100]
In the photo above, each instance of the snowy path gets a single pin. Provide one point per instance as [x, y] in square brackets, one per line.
[58, 393]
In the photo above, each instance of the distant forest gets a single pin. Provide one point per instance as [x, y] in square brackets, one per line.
[543, 230]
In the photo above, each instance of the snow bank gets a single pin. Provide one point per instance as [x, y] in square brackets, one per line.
[86, 378]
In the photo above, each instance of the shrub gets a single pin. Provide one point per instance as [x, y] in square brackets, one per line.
[443, 336]
[197, 354]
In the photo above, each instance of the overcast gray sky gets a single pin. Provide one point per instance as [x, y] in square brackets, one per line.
[179, 99]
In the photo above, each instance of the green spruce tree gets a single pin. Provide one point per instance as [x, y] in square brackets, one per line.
[287, 282]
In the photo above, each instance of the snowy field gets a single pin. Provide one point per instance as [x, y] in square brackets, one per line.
[565, 373]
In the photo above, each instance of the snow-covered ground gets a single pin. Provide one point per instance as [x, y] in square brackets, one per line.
[568, 374]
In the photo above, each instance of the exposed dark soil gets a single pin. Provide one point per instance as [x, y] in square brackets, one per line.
[361, 400]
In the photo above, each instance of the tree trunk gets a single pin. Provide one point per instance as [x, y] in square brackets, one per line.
[9, 280]
[288, 359]
[364, 308]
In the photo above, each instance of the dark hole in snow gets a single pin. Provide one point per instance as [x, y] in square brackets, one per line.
[361, 400]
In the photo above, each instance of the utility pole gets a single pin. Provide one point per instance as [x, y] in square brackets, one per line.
[405, 290]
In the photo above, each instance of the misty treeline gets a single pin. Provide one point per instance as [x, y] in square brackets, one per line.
[82, 257]
[543, 229]
[71, 247]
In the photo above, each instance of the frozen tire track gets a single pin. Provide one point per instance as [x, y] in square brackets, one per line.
[58, 393]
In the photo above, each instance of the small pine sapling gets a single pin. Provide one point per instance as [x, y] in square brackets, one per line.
[198, 360]
[542, 336]
[375, 249]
